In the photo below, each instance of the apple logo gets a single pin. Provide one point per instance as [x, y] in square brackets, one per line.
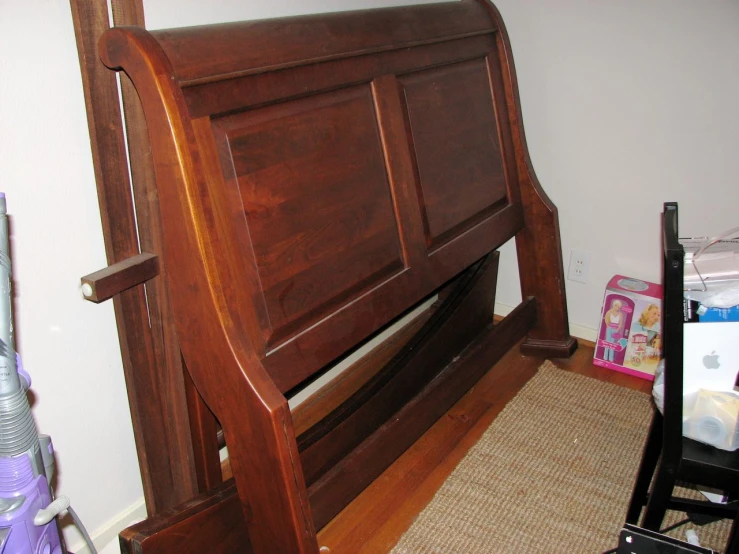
[710, 361]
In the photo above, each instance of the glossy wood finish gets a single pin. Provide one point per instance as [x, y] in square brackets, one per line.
[116, 278]
[375, 520]
[149, 348]
[465, 312]
[210, 523]
[359, 468]
[304, 224]
[446, 126]
[195, 423]
[542, 275]
[314, 183]
[334, 393]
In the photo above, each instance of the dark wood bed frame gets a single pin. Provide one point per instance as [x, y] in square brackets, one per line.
[317, 177]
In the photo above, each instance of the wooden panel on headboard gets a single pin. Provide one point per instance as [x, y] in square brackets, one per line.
[318, 176]
[318, 205]
[455, 138]
[389, 212]
[361, 170]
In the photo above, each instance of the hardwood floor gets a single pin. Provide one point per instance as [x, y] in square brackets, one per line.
[374, 522]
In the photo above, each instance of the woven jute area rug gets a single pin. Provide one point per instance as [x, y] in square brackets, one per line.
[552, 474]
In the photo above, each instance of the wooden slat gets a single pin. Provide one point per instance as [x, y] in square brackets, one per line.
[355, 472]
[216, 514]
[462, 316]
[375, 521]
[330, 396]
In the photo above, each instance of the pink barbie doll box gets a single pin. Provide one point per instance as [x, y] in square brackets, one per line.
[629, 336]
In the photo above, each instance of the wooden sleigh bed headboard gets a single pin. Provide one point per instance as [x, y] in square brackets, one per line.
[317, 177]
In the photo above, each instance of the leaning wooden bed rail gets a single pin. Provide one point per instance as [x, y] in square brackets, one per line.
[316, 178]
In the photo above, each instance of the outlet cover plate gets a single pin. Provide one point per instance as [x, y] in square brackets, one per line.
[579, 269]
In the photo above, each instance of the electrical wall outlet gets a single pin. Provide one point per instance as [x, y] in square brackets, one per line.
[579, 266]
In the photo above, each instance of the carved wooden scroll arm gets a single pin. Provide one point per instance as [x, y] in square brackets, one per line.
[254, 414]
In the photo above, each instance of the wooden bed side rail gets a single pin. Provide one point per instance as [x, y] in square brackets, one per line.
[192, 527]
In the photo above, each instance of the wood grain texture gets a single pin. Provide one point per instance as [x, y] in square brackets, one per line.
[538, 244]
[460, 317]
[276, 509]
[273, 44]
[204, 432]
[114, 279]
[191, 422]
[211, 523]
[356, 471]
[375, 520]
[317, 202]
[313, 185]
[183, 403]
[156, 398]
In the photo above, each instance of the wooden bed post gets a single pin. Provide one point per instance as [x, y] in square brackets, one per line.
[175, 440]
[254, 414]
[538, 245]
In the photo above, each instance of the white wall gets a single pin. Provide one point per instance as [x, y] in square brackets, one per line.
[69, 346]
[626, 104]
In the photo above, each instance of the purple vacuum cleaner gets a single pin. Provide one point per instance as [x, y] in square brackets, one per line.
[28, 513]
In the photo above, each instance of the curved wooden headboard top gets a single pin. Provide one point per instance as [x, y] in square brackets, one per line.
[363, 159]
[235, 49]
[317, 177]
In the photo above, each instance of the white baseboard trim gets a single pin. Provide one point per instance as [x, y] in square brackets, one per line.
[105, 537]
[585, 333]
